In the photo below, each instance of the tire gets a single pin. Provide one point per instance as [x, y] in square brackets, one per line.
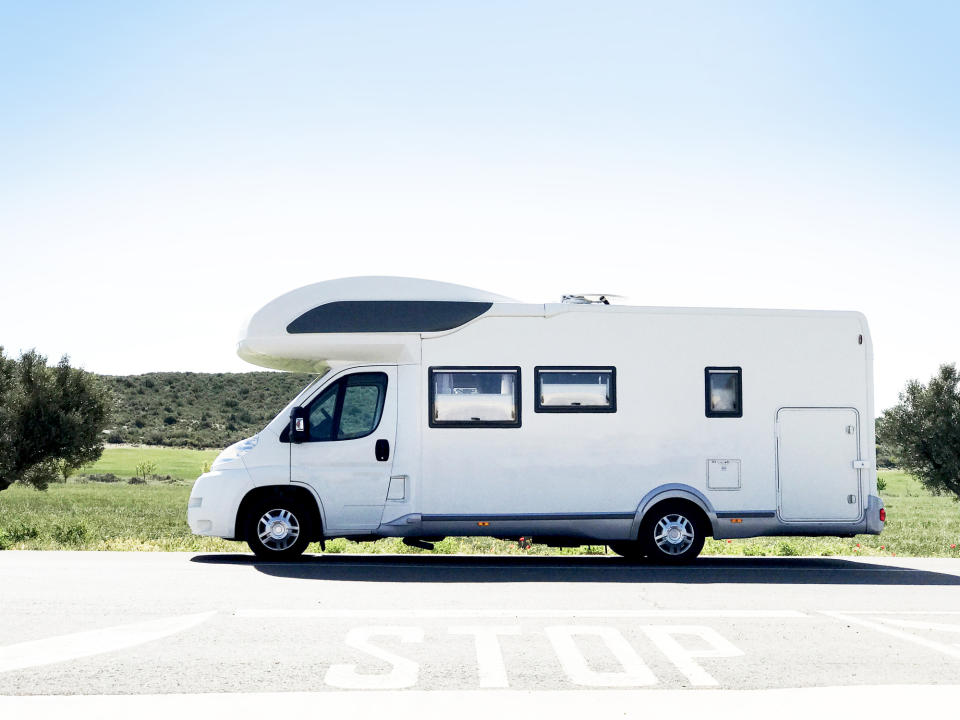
[673, 533]
[629, 549]
[278, 528]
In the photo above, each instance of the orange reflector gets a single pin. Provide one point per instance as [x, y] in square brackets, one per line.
[736, 520]
[483, 524]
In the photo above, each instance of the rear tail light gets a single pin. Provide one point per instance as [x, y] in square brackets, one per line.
[883, 515]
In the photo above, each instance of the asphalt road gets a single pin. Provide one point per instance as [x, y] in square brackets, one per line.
[157, 634]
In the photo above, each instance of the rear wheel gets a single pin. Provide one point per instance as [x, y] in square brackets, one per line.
[673, 533]
[278, 528]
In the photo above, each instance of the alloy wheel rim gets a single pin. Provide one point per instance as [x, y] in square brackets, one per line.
[674, 534]
[278, 529]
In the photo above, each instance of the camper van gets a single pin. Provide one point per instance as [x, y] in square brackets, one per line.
[440, 410]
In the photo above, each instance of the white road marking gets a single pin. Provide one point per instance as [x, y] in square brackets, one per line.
[635, 672]
[919, 625]
[93, 642]
[787, 704]
[951, 650]
[403, 674]
[892, 612]
[446, 613]
[663, 636]
[490, 665]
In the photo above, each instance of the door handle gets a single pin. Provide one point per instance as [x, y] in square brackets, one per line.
[382, 450]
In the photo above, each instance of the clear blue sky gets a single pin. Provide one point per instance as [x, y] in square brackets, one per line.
[167, 168]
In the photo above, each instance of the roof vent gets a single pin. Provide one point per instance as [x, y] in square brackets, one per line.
[588, 299]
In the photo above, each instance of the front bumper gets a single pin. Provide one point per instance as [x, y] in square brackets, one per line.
[214, 501]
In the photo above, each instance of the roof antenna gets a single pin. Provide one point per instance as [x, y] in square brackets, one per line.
[589, 299]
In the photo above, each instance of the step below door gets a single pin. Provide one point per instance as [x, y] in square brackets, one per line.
[816, 450]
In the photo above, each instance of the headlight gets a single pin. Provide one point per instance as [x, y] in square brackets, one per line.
[233, 453]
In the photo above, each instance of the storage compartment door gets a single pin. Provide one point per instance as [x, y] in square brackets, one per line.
[816, 450]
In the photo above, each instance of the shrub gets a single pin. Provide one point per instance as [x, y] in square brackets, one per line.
[21, 532]
[145, 469]
[923, 429]
[103, 477]
[786, 548]
[72, 533]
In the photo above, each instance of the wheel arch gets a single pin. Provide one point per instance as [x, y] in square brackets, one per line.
[304, 495]
[674, 491]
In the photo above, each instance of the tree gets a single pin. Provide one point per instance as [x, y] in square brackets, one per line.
[924, 431]
[51, 419]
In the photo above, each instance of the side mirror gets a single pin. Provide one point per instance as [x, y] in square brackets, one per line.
[299, 425]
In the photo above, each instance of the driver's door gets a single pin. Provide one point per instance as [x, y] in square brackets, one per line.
[351, 426]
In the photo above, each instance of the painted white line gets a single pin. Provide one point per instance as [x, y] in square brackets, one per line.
[633, 673]
[951, 650]
[786, 704]
[665, 638]
[403, 672]
[490, 665]
[445, 613]
[93, 642]
[892, 612]
[920, 625]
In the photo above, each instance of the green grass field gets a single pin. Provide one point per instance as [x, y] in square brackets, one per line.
[118, 516]
[181, 463]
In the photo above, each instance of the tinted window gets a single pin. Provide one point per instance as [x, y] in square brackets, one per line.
[322, 412]
[352, 316]
[575, 389]
[362, 405]
[348, 409]
[724, 392]
[475, 397]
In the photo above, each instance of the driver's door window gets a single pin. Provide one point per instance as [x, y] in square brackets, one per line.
[349, 408]
[322, 412]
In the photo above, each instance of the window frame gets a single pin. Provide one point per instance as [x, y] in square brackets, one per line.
[341, 399]
[738, 413]
[341, 383]
[611, 408]
[517, 397]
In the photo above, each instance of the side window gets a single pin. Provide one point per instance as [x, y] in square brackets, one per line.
[575, 389]
[348, 409]
[724, 392]
[362, 405]
[475, 397]
[322, 413]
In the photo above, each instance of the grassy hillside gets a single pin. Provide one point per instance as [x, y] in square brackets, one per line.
[198, 410]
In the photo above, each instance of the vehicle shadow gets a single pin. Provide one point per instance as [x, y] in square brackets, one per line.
[601, 569]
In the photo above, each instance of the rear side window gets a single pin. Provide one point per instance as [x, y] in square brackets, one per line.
[348, 409]
[475, 397]
[724, 392]
[575, 389]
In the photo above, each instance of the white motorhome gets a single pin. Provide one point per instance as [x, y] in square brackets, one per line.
[442, 410]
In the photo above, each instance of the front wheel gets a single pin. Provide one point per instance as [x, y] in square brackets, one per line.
[672, 533]
[278, 529]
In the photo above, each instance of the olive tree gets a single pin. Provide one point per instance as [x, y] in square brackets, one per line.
[51, 419]
[923, 429]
